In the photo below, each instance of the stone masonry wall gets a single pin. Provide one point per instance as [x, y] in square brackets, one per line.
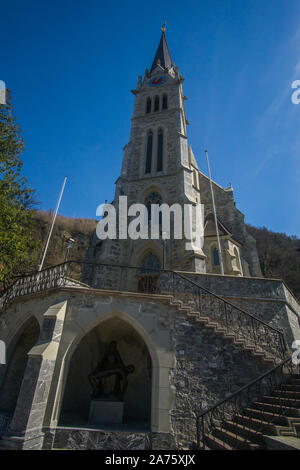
[267, 299]
[208, 368]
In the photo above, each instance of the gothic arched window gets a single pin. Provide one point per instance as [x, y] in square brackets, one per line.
[165, 102]
[153, 198]
[148, 105]
[160, 141]
[149, 152]
[156, 104]
[216, 259]
[150, 264]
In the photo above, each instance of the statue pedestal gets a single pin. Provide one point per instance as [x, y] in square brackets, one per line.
[106, 412]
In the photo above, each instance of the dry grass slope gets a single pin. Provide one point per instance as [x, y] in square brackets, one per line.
[81, 230]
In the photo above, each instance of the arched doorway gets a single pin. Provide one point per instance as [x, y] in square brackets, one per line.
[90, 353]
[21, 344]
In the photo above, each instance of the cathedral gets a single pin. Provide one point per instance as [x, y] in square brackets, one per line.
[159, 167]
[148, 344]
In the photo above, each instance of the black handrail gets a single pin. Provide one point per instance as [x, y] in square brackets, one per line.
[226, 409]
[229, 303]
[243, 324]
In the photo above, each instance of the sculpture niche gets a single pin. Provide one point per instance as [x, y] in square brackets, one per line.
[109, 379]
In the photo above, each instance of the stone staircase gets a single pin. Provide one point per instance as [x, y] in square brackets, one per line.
[244, 343]
[276, 414]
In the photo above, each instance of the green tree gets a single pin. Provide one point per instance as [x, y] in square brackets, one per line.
[17, 241]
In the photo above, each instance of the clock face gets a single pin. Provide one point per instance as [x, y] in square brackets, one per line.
[157, 81]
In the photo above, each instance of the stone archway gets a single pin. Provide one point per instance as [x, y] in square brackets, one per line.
[21, 344]
[86, 357]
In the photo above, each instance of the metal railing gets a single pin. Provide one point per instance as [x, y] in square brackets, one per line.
[243, 324]
[227, 409]
[236, 320]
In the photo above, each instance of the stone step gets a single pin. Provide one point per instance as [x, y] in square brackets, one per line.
[254, 436]
[230, 336]
[216, 444]
[272, 418]
[212, 325]
[293, 381]
[204, 447]
[193, 314]
[292, 402]
[269, 360]
[249, 347]
[239, 341]
[202, 320]
[220, 329]
[290, 388]
[175, 302]
[235, 440]
[256, 424]
[278, 409]
[286, 394]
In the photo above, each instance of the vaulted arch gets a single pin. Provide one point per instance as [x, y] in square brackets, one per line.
[135, 348]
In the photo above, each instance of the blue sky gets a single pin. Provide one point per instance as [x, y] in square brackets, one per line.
[71, 65]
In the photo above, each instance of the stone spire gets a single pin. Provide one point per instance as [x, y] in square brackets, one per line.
[162, 56]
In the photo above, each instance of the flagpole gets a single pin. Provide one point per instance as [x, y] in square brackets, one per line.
[52, 225]
[215, 215]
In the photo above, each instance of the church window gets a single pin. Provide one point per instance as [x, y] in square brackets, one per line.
[165, 102]
[160, 140]
[150, 264]
[149, 152]
[156, 104]
[216, 259]
[148, 105]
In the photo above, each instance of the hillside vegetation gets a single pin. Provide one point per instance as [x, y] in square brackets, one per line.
[81, 230]
[279, 256]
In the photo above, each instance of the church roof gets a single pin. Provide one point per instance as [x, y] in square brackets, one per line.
[162, 54]
[210, 228]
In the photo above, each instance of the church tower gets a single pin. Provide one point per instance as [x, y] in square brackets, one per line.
[159, 167]
[156, 169]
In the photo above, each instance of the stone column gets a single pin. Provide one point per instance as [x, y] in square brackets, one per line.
[26, 428]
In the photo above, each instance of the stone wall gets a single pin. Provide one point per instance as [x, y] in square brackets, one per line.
[208, 368]
[268, 299]
[93, 439]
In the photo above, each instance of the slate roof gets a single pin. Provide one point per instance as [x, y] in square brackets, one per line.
[163, 54]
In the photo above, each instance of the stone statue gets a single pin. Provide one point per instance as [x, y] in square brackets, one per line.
[109, 379]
